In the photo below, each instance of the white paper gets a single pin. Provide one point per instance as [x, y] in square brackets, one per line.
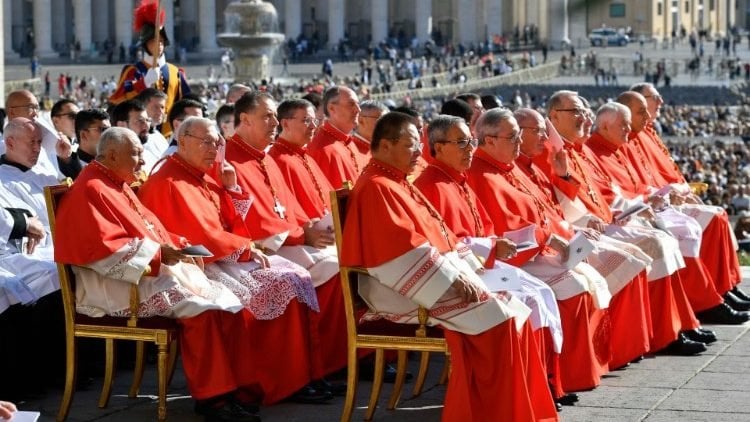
[635, 209]
[481, 246]
[23, 416]
[501, 279]
[325, 223]
[664, 191]
[579, 248]
[524, 238]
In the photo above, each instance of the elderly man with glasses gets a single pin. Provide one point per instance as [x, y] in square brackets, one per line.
[513, 202]
[414, 258]
[443, 182]
[196, 194]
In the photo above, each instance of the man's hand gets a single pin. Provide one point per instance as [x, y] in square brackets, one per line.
[34, 232]
[657, 202]
[692, 198]
[592, 234]
[561, 246]
[259, 257]
[560, 163]
[648, 214]
[469, 291]
[675, 198]
[505, 248]
[7, 409]
[228, 176]
[63, 147]
[170, 255]
[318, 238]
[597, 225]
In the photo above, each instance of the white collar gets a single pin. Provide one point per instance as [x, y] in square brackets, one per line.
[149, 60]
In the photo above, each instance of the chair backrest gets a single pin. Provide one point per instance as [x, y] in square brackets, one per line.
[352, 301]
[52, 196]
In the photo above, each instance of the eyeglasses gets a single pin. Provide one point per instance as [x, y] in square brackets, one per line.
[308, 121]
[462, 143]
[30, 107]
[514, 138]
[536, 130]
[576, 111]
[206, 142]
[657, 97]
[71, 115]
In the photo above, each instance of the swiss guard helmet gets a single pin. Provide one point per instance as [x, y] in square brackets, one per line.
[144, 22]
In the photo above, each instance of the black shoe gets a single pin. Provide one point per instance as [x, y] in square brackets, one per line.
[740, 294]
[568, 400]
[335, 388]
[229, 412]
[367, 373]
[723, 314]
[638, 359]
[309, 395]
[684, 347]
[736, 303]
[700, 336]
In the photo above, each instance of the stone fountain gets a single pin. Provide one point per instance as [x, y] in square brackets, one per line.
[251, 31]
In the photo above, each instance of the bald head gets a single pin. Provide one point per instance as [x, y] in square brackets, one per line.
[22, 103]
[534, 131]
[120, 150]
[638, 109]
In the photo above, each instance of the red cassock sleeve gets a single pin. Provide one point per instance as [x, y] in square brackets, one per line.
[185, 211]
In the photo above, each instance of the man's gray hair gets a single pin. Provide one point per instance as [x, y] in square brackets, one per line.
[438, 129]
[192, 121]
[609, 112]
[19, 126]
[369, 105]
[640, 87]
[489, 121]
[113, 138]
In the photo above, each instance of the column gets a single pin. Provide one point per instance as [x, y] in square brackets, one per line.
[207, 29]
[7, 5]
[292, 18]
[168, 6]
[423, 19]
[82, 24]
[558, 23]
[42, 25]
[379, 20]
[123, 24]
[493, 18]
[101, 24]
[335, 22]
[467, 21]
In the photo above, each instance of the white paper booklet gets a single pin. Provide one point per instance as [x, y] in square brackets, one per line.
[501, 279]
[524, 238]
[579, 248]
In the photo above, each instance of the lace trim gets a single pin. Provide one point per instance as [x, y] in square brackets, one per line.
[242, 206]
[235, 256]
[118, 270]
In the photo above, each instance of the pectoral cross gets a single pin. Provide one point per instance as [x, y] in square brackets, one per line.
[278, 208]
[149, 226]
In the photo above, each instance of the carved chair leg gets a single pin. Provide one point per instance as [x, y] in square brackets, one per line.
[352, 377]
[377, 383]
[71, 363]
[109, 372]
[400, 379]
[446, 370]
[174, 352]
[162, 368]
[424, 362]
[138, 369]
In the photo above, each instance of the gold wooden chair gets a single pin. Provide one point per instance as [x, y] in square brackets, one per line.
[357, 339]
[698, 188]
[160, 331]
